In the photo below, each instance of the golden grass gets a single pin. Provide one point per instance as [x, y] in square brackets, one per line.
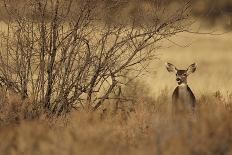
[148, 130]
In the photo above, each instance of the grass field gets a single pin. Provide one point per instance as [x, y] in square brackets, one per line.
[149, 128]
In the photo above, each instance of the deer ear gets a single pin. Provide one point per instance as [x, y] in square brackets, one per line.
[170, 67]
[192, 68]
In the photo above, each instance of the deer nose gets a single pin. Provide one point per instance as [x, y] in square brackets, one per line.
[177, 79]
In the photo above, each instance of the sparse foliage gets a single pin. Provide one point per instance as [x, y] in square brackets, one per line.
[63, 55]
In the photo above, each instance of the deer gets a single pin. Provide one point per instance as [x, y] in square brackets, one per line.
[183, 98]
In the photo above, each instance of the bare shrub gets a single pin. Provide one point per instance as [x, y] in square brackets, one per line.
[64, 55]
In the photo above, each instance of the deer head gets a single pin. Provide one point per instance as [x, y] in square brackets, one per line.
[181, 75]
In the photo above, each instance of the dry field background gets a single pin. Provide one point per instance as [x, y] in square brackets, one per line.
[148, 128]
[213, 55]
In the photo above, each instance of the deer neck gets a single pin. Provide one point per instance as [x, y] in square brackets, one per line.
[183, 85]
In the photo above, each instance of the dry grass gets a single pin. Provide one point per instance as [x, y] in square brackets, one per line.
[148, 128]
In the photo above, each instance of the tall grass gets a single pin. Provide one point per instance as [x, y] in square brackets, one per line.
[148, 129]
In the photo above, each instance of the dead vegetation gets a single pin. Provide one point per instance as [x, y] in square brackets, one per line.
[63, 55]
[148, 129]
